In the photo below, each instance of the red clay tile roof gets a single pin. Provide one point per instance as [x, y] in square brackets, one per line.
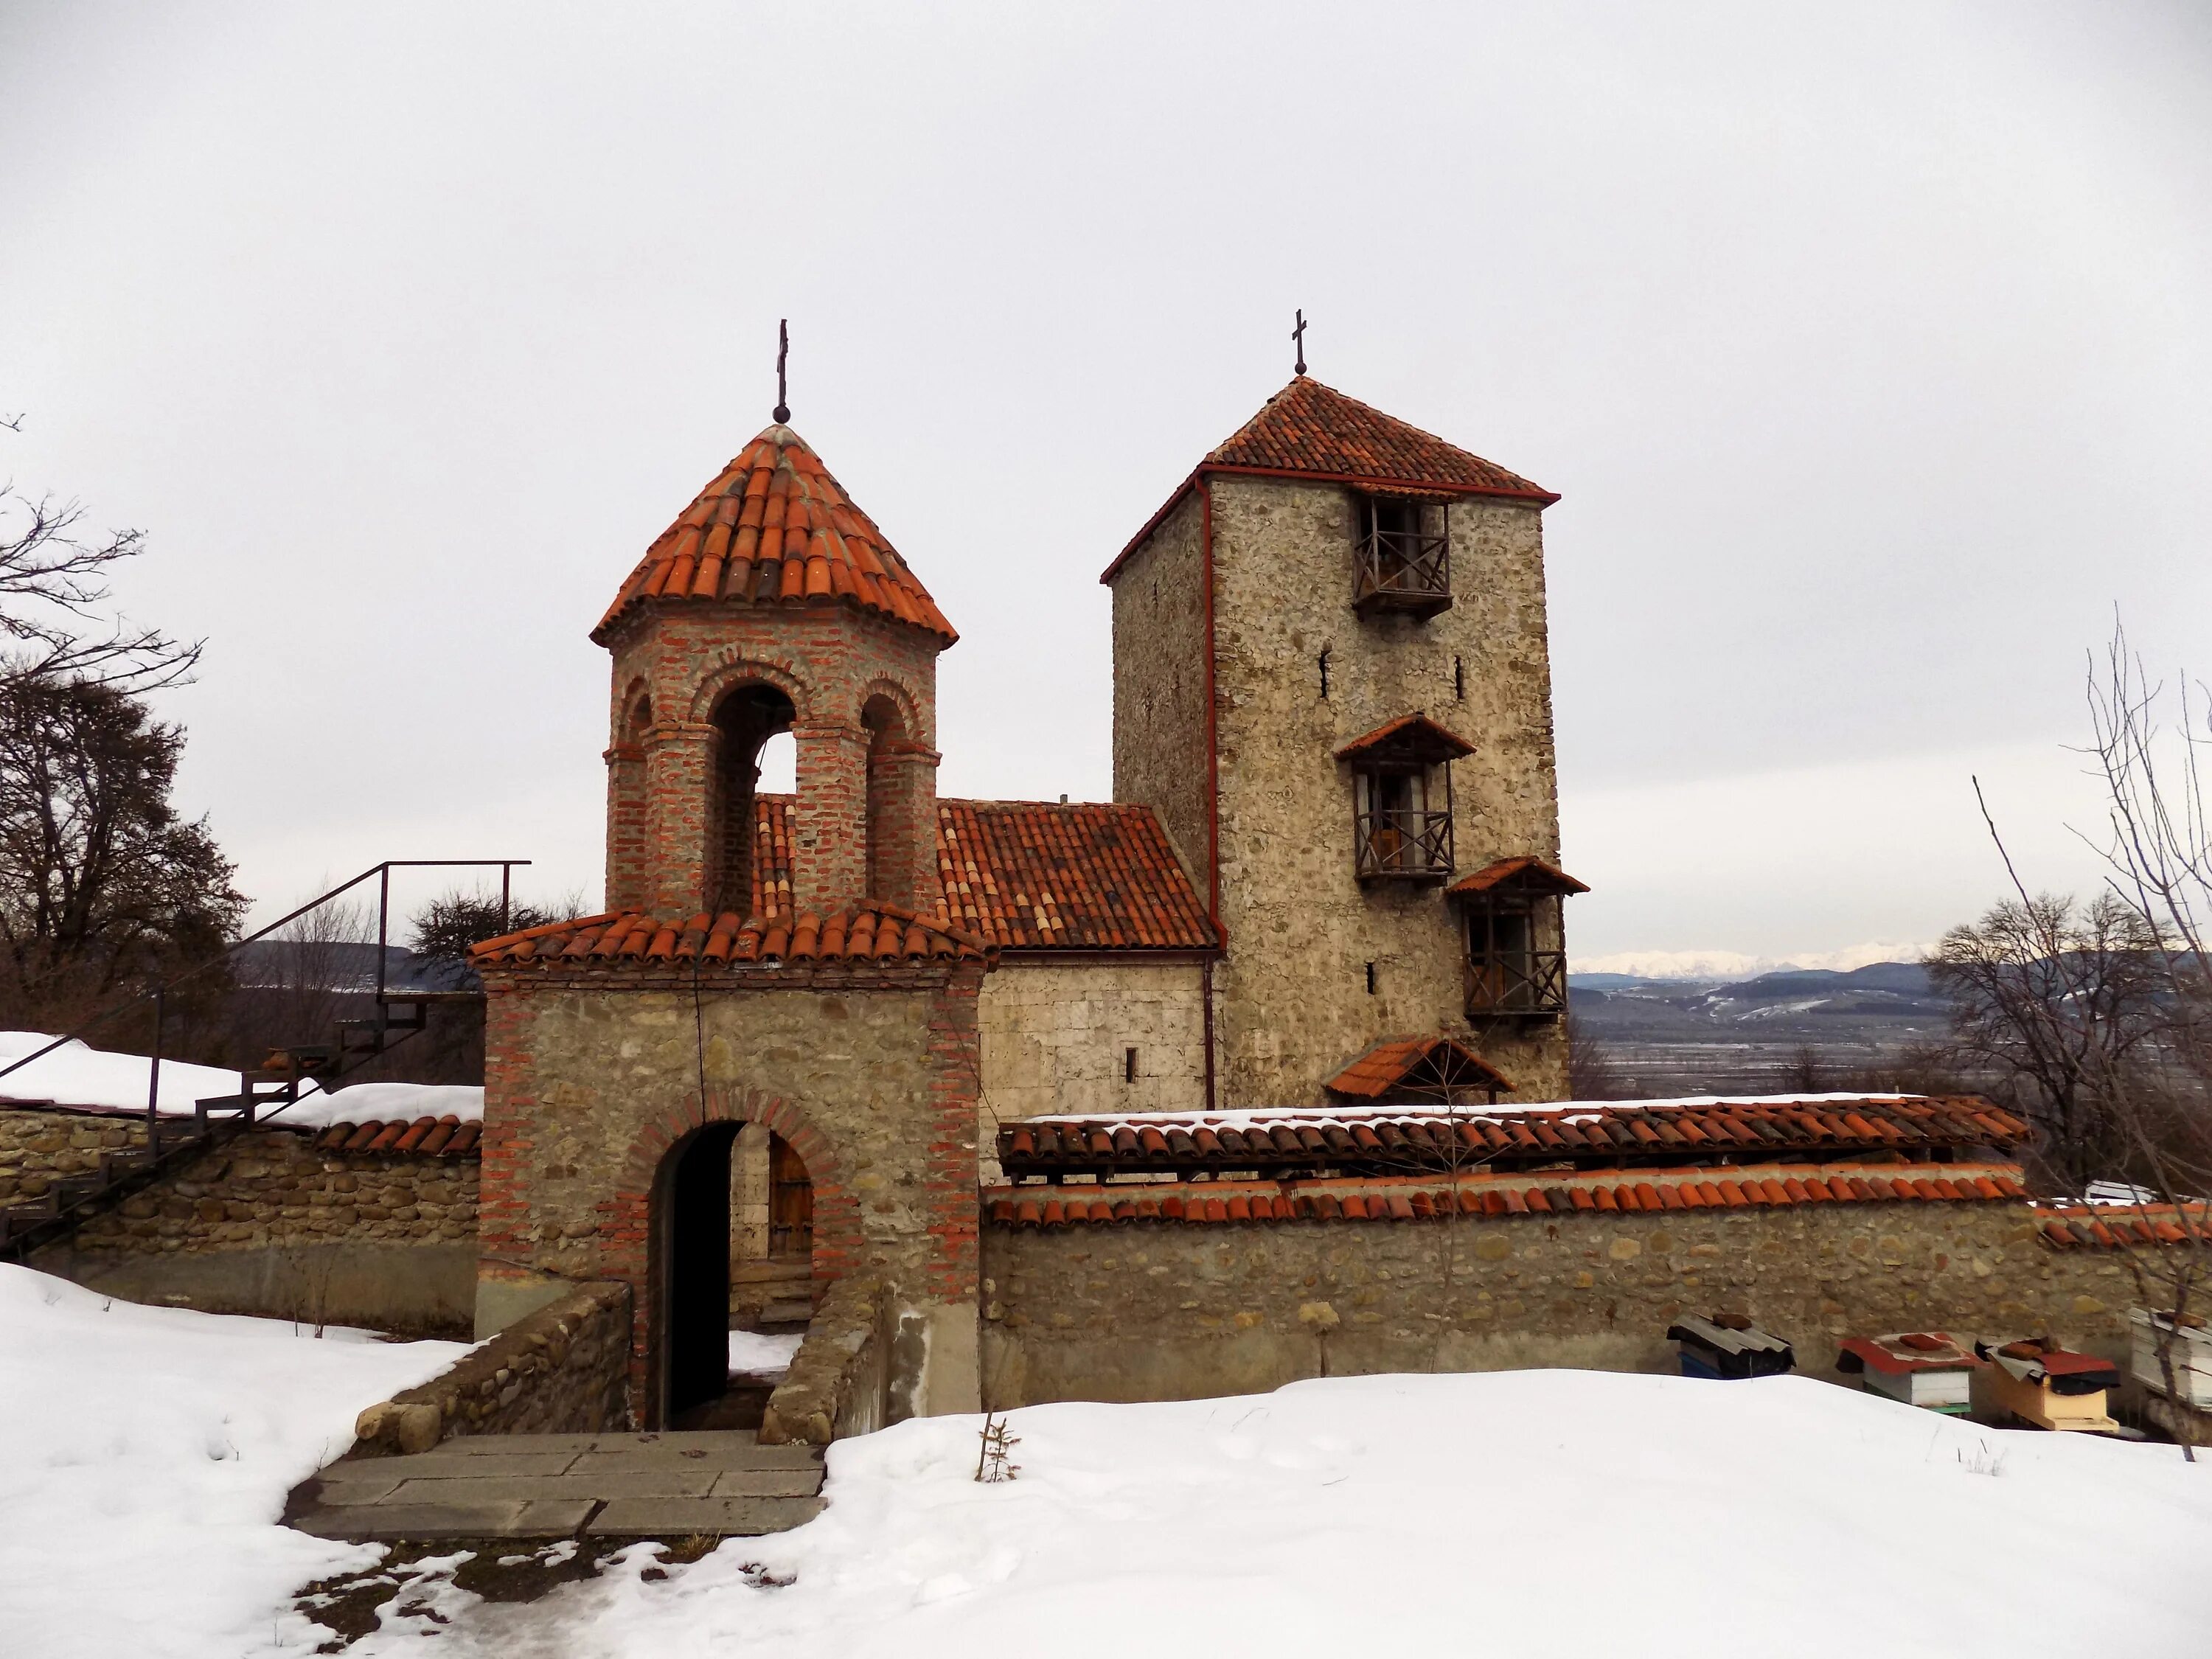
[1415, 736]
[2123, 1226]
[1032, 875]
[774, 528]
[1419, 1198]
[1441, 1061]
[1310, 427]
[878, 933]
[1523, 873]
[1386, 1139]
[430, 1137]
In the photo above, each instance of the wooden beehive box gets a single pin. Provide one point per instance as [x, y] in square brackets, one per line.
[1728, 1345]
[2050, 1387]
[1932, 1370]
[2192, 1355]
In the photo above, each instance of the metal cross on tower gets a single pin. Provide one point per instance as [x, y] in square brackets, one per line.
[1299, 335]
[783, 351]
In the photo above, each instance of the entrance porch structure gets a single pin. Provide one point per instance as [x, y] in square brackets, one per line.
[816, 993]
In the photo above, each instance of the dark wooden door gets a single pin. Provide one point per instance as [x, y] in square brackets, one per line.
[790, 1201]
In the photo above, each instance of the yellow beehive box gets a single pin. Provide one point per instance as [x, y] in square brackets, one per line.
[2050, 1387]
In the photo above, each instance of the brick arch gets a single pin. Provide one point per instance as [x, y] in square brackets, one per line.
[913, 727]
[730, 668]
[628, 1218]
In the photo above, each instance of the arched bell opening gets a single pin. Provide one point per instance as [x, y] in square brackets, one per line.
[745, 719]
[881, 720]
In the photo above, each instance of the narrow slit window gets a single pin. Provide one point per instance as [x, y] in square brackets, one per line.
[1128, 1066]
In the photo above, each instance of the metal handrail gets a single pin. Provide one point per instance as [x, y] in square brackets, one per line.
[158, 995]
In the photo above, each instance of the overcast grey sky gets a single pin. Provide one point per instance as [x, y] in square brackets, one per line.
[1868, 346]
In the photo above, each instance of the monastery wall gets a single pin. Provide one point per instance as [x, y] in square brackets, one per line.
[1301, 929]
[263, 1224]
[1056, 1039]
[1153, 1311]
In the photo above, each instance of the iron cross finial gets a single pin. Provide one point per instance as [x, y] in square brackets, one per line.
[1299, 335]
[783, 351]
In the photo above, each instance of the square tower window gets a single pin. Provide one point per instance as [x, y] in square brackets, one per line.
[1401, 555]
[1401, 801]
[1517, 957]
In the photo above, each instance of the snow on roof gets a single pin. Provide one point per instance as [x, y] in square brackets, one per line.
[81, 1078]
[1576, 1110]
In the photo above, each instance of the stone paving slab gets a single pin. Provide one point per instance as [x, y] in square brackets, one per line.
[768, 1483]
[698, 1457]
[743, 1517]
[526, 1519]
[495, 1488]
[436, 1465]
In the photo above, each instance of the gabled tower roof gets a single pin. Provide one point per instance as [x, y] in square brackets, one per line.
[776, 529]
[1313, 431]
[1308, 426]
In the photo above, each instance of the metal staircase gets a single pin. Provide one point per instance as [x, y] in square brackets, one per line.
[281, 1080]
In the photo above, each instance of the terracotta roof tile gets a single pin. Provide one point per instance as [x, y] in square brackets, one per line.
[775, 528]
[1414, 1197]
[1385, 1068]
[1032, 875]
[1308, 426]
[2121, 1226]
[1526, 872]
[1382, 1138]
[874, 933]
[1415, 736]
[421, 1137]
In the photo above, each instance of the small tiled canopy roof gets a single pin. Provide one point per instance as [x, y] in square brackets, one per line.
[1527, 875]
[774, 528]
[876, 934]
[1390, 1138]
[1421, 1198]
[1032, 875]
[1410, 738]
[1425, 1065]
[426, 1137]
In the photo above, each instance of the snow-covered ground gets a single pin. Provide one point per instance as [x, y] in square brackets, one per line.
[1563, 1513]
[75, 1075]
[761, 1357]
[145, 1458]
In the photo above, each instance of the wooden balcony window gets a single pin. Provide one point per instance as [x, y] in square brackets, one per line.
[1514, 969]
[1401, 559]
[1400, 832]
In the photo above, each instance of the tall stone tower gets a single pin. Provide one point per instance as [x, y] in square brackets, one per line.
[1332, 683]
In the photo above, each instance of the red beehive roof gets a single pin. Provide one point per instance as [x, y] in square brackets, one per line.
[774, 528]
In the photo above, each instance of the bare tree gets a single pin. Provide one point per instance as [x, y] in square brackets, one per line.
[1593, 1070]
[2059, 1003]
[53, 581]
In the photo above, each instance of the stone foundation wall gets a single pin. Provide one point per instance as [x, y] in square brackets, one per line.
[263, 1224]
[1150, 1310]
[564, 1370]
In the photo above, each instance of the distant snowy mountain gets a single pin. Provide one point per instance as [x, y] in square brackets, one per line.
[1734, 965]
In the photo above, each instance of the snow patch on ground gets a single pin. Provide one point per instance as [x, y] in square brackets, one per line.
[1554, 1513]
[761, 1357]
[145, 1454]
[75, 1075]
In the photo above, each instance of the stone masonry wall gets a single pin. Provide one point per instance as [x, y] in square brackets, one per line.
[561, 1370]
[1150, 1310]
[871, 1073]
[1056, 1039]
[1159, 683]
[1293, 1002]
[263, 1224]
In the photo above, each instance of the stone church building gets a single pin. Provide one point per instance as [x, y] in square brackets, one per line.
[1330, 873]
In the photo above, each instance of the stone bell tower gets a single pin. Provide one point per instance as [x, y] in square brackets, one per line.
[772, 603]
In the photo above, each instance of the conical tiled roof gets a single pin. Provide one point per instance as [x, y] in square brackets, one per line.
[1310, 427]
[776, 529]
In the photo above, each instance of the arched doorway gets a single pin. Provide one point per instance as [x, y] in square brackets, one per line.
[735, 1234]
[694, 1235]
